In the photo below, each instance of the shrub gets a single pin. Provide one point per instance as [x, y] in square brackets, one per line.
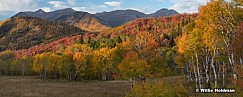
[158, 89]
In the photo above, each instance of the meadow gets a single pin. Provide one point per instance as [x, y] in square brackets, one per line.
[31, 86]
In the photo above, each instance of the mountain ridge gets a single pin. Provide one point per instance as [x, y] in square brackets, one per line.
[104, 19]
[68, 15]
[119, 17]
[163, 12]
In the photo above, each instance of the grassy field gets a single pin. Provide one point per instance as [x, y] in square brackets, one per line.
[12, 86]
[17, 86]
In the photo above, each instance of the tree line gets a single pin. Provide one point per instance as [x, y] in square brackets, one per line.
[134, 57]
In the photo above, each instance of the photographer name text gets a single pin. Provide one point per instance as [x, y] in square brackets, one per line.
[215, 90]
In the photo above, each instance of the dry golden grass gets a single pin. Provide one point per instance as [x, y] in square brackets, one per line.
[12, 86]
[33, 87]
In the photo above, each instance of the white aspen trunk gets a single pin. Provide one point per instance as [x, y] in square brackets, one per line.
[206, 72]
[232, 25]
[214, 70]
[104, 77]
[196, 77]
[195, 74]
[233, 64]
[198, 72]
[231, 58]
[206, 69]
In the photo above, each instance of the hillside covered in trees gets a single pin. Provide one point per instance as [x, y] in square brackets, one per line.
[163, 29]
[102, 55]
[24, 32]
[85, 21]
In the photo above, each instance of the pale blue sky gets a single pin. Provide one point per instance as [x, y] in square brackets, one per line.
[11, 7]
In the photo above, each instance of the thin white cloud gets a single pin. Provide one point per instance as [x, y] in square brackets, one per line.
[91, 8]
[46, 9]
[71, 2]
[137, 9]
[56, 4]
[80, 8]
[16, 5]
[113, 3]
[187, 6]
[146, 10]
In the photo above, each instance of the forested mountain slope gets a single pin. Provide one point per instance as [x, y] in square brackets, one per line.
[165, 29]
[82, 20]
[24, 32]
[85, 21]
